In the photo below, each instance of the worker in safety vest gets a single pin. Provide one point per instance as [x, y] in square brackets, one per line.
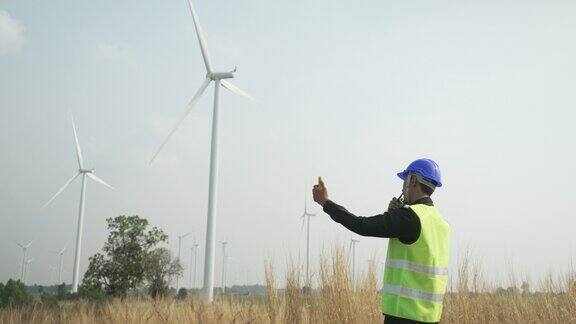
[416, 269]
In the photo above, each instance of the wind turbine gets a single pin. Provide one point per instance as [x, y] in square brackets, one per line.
[24, 251]
[53, 272]
[61, 254]
[219, 79]
[247, 271]
[180, 237]
[306, 216]
[352, 249]
[26, 271]
[193, 261]
[84, 172]
[224, 257]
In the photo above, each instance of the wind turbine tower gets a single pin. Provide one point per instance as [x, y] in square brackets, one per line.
[306, 217]
[60, 259]
[24, 252]
[84, 172]
[352, 250]
[224, 257]
[220, 79]
[180, 237]
[27, 270]
[193, 262]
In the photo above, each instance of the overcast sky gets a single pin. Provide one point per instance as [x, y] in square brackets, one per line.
[352, 91]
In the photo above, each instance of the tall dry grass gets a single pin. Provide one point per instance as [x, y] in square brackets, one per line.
[335, 299]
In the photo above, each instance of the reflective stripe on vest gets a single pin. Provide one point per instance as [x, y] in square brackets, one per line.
[412, 293]
[412, 266]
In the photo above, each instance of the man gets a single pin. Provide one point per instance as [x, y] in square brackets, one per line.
[416, 270]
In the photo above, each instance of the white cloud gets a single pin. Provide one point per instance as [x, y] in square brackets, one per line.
[11, 34]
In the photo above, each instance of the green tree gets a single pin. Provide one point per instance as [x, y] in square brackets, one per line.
[92, 293]
[160, 269]
[14, 294]
[121, 265]
[61, 293]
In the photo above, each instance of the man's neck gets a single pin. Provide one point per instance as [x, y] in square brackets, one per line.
[419, 197]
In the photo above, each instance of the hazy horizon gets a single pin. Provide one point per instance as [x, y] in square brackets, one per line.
[352, 92]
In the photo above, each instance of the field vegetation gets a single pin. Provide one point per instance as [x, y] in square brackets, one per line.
[335, 298]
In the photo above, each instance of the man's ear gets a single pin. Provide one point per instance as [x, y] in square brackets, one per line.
[413, 181]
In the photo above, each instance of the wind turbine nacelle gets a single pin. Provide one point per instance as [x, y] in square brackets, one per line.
[221, 75]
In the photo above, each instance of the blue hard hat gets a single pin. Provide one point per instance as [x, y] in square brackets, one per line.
[427, 168]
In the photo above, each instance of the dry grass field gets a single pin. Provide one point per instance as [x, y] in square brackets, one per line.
[336, 300]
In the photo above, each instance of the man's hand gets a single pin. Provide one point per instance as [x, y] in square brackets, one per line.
[320, 193]
[394, 204]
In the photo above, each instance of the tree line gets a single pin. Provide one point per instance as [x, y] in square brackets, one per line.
[131, 261]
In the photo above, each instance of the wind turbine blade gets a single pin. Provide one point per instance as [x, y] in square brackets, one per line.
[186, 112]
[303, 219]
[61, 189]
[95, 178]
[20, 245]
[201, 39]
[184, 235]
[235, 89]
[28, 245]
[78, 150]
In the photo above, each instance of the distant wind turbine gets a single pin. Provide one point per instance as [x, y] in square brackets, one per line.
[180, 237]
[85, 173]
[352, 250]
[224, 257]
[24, 251]
[193, 262]
[27, 270]
[247, 271]
[219, 79]
[306, 217]
[60, 259]
[53, 273]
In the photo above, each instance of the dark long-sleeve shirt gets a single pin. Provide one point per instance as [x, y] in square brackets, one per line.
[401, 223]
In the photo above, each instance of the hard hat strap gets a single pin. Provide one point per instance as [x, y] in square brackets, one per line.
[422, 180]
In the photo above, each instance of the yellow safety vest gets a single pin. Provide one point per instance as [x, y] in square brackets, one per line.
[416, 275]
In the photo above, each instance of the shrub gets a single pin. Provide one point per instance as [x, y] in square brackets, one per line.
[182, 293]
[14, 294]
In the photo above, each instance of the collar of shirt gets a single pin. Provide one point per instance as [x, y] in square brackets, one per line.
[424, 201]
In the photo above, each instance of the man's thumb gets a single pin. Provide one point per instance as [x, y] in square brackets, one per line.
[320, 182]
